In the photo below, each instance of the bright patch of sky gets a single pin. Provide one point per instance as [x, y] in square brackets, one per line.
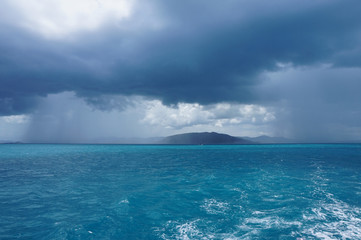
[12, 128]
[57, 19]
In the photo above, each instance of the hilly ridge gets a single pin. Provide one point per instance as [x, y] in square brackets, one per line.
[204, 138]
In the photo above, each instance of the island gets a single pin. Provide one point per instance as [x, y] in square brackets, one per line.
[206, 138]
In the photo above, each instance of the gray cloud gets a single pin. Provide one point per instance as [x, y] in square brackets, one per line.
[203, 52]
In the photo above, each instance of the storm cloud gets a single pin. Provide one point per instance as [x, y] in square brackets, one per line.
[203, 52]
[196, 52]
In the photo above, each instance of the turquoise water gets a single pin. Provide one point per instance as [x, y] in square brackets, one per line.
[180, 192]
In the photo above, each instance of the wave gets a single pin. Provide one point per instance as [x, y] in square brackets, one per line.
[335, 220]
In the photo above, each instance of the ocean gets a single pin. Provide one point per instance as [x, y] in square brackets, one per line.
[300, 191]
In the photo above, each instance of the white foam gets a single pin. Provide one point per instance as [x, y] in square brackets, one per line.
[330, 218]
[257, 212]
[212, 206]
[269, 222]
[333, 219]
[188, 230]
[202, 229]
[124, 201]
[196, 229]
[182, 231]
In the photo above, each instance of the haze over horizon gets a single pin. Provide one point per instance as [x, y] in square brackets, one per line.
[78, 71]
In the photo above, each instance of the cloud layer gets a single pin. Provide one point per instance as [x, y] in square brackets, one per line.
[198, 53]
[202, 52]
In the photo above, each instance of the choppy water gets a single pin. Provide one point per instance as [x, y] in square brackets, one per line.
[180, 192]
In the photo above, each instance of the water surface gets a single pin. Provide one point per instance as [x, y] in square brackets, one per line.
[180, 192]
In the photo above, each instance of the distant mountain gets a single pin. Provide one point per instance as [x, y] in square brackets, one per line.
[269, 140]
[204, 138]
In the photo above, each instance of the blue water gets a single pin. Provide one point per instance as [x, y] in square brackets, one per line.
[180, 192]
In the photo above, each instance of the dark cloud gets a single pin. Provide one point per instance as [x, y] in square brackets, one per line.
[203, 52]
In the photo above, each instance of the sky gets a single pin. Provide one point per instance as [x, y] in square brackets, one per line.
[89, 70]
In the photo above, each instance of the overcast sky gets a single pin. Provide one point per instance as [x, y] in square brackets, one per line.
[75, 71]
